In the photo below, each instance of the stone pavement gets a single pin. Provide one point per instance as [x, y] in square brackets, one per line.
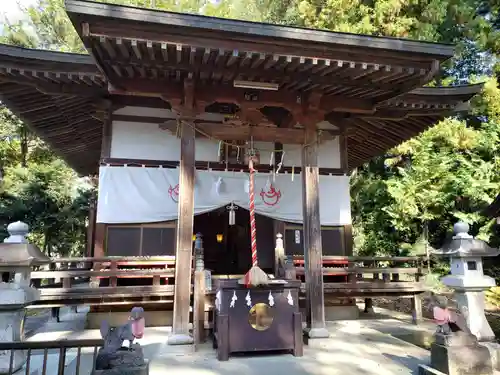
[35, 323]
[357, 347]
[352, 348]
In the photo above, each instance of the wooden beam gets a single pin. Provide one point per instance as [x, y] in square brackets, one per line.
[244, 97]
[206, 165]
[316, 327]
[184, 244]
[259, 133]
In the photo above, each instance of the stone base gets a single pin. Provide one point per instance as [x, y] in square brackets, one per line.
[19, 361]
[11, 330]
[115, 319]
[494, 349]
[427, 370]
[461, 360]
[180, 339]
[140, 370]
[316, 333]
[345, 312]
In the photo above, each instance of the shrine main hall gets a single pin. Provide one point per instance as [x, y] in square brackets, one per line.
[165, 106]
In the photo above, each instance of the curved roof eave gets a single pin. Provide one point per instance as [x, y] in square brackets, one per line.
[46, 56]
[449, 90]
[255, 29]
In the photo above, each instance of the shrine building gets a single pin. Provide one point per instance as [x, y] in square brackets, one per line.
[164, 107]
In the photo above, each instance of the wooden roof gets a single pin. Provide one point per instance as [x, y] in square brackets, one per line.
[368, 87]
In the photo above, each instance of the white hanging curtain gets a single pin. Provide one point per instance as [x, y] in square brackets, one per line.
[148, 195]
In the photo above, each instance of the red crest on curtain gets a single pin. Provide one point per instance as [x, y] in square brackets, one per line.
[271, 197]
[174, 193]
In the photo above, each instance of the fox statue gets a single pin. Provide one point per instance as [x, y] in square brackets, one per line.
[114, 358]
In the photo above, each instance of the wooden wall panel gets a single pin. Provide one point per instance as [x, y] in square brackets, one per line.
[333, 240]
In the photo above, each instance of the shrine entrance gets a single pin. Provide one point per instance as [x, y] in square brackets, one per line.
[227, 247]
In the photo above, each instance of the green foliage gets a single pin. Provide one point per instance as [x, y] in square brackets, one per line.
[493, 296]
[37, 187]
[41, 190]
[47, 197]
[48, 27]
[446, 174]
[432, 283]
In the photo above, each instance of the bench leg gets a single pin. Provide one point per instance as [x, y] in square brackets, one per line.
[416, 309]
[53, 312]
[298, 345]
[368, 306]
[223, 338]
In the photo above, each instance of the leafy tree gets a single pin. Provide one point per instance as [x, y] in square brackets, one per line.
[36, 186]
[446, 174]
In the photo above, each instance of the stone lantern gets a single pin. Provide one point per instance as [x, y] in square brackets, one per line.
[467, 278]
[17, 257]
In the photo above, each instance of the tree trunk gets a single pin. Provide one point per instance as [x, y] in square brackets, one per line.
[24, 147]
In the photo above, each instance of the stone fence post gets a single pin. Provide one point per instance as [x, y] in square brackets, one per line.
[17, 257]
[199, 290]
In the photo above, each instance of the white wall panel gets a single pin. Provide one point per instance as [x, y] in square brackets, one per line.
[135, 140]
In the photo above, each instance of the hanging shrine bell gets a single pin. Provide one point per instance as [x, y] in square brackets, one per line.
[252, 155]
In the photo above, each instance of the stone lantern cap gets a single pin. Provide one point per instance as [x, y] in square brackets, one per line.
[463, 245]
[15, 251]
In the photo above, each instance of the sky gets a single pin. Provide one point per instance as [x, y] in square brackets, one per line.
[10, 9]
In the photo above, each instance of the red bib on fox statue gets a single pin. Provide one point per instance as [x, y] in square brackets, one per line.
[138, 322]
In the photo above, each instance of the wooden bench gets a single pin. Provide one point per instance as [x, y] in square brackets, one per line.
[363, 277]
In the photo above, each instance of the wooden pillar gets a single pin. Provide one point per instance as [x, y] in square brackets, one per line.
[90, 238]
[99, 240]
[99, 235]
[184, 244]
[316, 327]
[348, 240]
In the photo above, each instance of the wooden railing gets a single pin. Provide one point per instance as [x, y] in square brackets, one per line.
[343, 276]
[364, 276]
[63, 348]
[110, 268]
[102, 276]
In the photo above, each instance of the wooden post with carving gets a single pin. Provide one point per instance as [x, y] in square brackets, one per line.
[199, 292]
[312, 235]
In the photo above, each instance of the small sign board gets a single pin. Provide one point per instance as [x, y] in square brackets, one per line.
[297, 236]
